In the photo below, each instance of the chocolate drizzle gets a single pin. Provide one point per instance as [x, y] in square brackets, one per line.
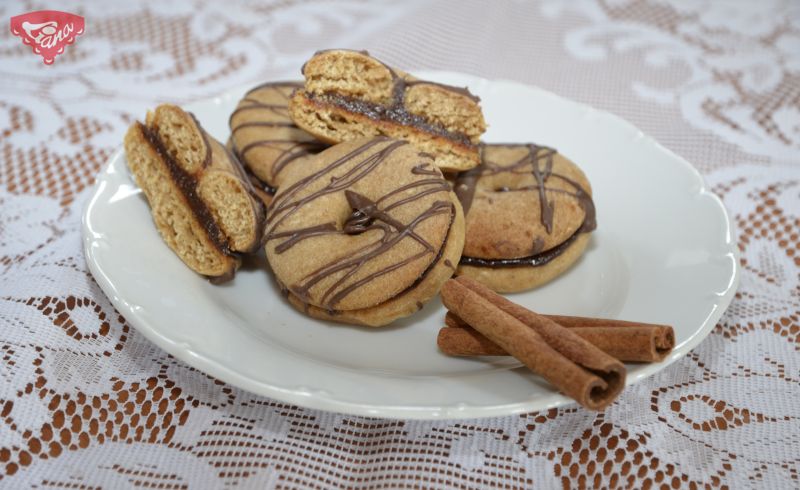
[295, 236]
[367, 216]
[363, 216]
[282, 203]
[291, 149]
[541, 177]
[425, 169]
[336, 292]
[434, 185]
[366, 213]
[464, 187]
[531, 163]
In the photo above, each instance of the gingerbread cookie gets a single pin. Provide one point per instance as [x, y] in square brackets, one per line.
[264, 138]
[201, 200]
[528, 213]
[350, 95]
[366, 232]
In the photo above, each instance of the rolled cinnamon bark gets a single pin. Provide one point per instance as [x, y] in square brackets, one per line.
[574, 366]
[627, 341]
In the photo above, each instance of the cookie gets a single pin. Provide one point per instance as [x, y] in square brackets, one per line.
[365, 233]
[201, 200]
[349, 95]
[528, 213]
[264, 138]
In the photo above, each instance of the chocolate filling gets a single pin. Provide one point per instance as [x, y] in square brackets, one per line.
[188, 187]
[395, 113]
[535, 260]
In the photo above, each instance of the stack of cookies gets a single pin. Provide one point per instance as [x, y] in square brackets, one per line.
[377, 190]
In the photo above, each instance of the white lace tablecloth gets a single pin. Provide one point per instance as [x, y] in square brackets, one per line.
[86, 402]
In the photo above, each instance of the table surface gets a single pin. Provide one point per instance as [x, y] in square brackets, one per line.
[86, 402]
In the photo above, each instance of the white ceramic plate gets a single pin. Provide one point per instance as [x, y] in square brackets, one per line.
[663, 252]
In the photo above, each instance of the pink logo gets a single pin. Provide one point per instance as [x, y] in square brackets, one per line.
[47, 32]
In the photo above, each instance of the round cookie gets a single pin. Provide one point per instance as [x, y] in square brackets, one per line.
[528, 213]
[264, 138]
[364, 233]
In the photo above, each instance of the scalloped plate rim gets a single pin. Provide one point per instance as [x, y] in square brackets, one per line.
[319, 399]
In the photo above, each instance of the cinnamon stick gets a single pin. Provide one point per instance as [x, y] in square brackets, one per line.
[573, 365]
[627, 341]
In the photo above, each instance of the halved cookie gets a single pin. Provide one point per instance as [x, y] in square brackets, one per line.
[528, 213]
[350, 95]
[264, 138]
[201, 200]
[366, 233]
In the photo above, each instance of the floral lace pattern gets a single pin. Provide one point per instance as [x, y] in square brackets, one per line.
[86, 402]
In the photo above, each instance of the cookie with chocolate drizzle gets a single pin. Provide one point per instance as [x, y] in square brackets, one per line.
[200, 197]
[528, 213]
[264, 138]
[365, 233]
[349, 95]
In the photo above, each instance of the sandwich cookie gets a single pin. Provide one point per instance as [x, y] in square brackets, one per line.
[350, 95]
[365, 233]
[528, 213]
[200, 198]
